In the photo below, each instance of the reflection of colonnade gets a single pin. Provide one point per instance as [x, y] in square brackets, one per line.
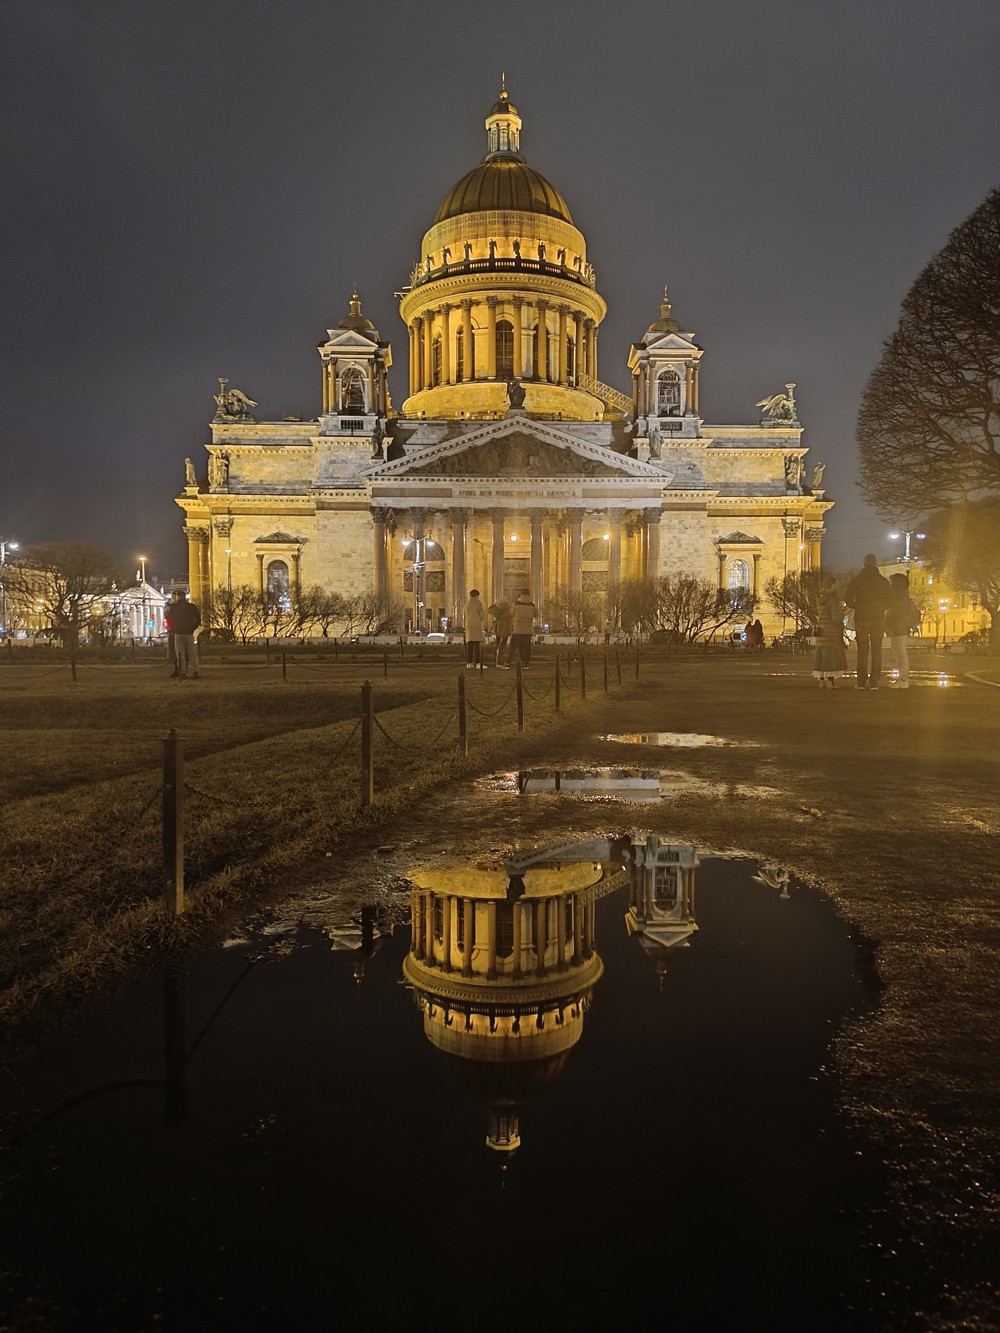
[504, 550]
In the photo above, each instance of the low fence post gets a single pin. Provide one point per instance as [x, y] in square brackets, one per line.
[173, 822]
[72, 663]
[583, 675]
[367, 738]
[618, 664]
[133, 651]
[284, 665]
[463, 735]
[558, 688]
[520, 697]
[606, 691]
[385, 663]
[637, 661]
[401, 648]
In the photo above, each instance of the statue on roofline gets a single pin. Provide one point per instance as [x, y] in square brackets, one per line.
[779, 408]
[232, 404]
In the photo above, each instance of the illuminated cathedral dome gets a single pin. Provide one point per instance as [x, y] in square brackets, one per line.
[504, 182]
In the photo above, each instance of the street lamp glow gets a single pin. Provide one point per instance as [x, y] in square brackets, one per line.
[6, 545]
[142, 568]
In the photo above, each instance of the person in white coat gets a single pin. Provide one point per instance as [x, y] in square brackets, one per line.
[475, 630]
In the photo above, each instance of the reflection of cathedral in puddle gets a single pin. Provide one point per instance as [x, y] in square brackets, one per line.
[661, 898]
[503, 958]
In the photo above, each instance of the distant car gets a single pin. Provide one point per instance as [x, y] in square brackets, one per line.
[436, 637]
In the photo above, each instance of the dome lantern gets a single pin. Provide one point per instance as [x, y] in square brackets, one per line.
[503, 126]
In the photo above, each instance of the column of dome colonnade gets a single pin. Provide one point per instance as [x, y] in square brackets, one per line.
[503, 290]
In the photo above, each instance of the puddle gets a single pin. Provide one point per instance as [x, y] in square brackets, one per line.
[681, 740]
[327, 1115]
[605, 785]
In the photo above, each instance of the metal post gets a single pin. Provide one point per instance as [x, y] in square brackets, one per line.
[618, 664]
[284, 666]
[583, 675]
[385, 663]
[173, 822]
[637, 661]
[133, 649]
[367, 737]
[463, 735]
[520, 697]
[72, 663]
[335, 650]
[606, 673]
[401, 648]
[558, 689]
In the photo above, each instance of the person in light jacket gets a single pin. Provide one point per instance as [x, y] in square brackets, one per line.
[475, 630]
[523, 628]
[901, 615]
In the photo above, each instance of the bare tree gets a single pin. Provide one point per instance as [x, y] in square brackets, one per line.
[687, 608]
[575, 613]
[796, 596]
[929, 425]
[64, 582]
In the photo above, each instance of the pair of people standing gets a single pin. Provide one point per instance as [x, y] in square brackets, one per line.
[881, 606]
[514, 625]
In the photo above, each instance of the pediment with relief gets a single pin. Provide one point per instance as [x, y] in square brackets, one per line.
[515, 456]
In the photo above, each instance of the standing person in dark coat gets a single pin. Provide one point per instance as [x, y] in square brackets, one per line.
[901, 616]
[475, 630]
[184, 620]
[868, 596]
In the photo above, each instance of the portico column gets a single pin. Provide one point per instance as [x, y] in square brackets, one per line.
[653, 548]
[491, 337]
[542, 343]
[814, 537]
[498, 552]
[468, 350]
[536, 558]
[588, 348]
[563, 312]
[518, 304]
[576, 550]
[689, 388]
[417, 374]
[579, 367]
[197, 554]
[615, 545]
[458, 521]
[541, 940]
[694, 390]
[592, 354]
[380, 579]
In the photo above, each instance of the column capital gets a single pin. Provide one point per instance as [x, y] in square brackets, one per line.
[196, 534]
[493, 302]
[653, 515]
[791, 526]
[467, 303]
[815, 534]
[459, 514]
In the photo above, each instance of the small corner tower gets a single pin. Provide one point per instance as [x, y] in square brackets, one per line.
[665, 368]
[355, 373]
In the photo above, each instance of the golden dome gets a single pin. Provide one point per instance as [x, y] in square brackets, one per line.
[504, 184]
[356, 320]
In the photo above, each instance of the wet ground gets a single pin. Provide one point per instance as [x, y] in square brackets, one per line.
[265, 1137]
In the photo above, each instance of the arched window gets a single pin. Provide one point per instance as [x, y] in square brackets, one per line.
[436, 360]
[278, 585]
[352, 391]
[505, 349]
[668, 394]
[737, 576]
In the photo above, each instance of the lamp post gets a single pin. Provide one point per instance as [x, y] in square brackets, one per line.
[229, 571]
[943, 616]
[908, 534]
[5, 545]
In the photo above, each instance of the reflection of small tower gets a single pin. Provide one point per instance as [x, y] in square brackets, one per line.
[503, 966]
[661, 897]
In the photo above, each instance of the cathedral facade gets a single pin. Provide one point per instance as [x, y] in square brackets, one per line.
[510, 466]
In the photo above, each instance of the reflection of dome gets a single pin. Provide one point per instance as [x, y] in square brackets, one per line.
[504, 183]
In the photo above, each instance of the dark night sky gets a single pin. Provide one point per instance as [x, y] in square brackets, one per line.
[192, 187]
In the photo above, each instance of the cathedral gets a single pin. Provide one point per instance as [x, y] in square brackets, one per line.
[510, 466]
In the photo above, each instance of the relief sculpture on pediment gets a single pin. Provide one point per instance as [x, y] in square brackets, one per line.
[513, 456]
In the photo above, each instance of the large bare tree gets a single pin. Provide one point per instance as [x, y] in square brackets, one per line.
[64, 582]
[929, 424]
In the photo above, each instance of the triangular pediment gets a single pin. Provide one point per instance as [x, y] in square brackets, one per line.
[515, 450]
[350, 340]
[671, 342]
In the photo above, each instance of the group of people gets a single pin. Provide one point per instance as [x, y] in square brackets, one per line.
[882, 607]
[511, 626]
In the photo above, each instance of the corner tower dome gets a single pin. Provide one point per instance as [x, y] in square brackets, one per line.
[503, 290]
